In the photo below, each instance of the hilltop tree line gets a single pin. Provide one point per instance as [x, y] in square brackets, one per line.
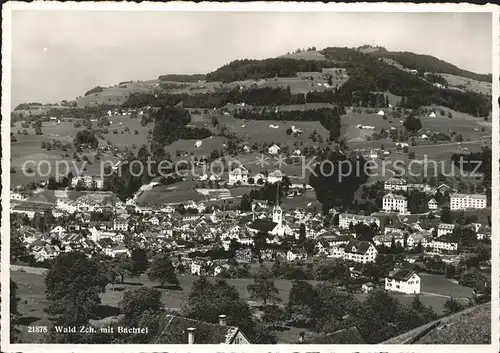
[96, 89]
[428, 63]
[182, 78]
[366, 74]
[246, 69]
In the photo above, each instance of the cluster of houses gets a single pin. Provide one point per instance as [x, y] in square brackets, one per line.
[200, 228]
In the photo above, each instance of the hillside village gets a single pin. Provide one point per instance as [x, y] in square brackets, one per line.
[417, 243]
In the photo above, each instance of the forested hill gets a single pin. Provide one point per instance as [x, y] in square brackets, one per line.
[428, 63]
[366, 74]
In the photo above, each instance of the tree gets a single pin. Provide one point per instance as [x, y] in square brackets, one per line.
[411, 155]
[446, 215]
[73, 286]
[302, 233]
[412, 124]
[14, 313]
[137, 301]
[162, 270]
[123, 266]
[246, 203]
[452, 306]
[18, 251]
[303, 304]
[38, 131]
[263, 287]
[273, 315]
[207, 301]
[141, 262]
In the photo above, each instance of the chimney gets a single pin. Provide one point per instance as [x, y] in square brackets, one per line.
[222, 320]
[301, 337]
[190, 331]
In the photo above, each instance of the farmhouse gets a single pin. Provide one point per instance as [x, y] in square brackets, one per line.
[274, 149]
[89, 182]
[467, 201]
[360, 251]
[403, 281]
[238, 175]
[421, 237]
[392, 202]
[345, 219]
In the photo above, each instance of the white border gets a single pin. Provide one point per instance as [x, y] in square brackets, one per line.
[261, 7]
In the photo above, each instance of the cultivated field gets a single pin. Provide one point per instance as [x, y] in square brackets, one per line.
[114, 95]
[468, 83]
[31, 290]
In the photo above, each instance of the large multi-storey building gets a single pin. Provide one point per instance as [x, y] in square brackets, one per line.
[394, 203]
[467, 201]
[345, 219]
[395, 184]
[360, 251]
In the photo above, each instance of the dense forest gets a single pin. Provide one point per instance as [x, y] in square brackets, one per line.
[428, 63]
[268, 68]
[367, 74]
[259, 96]
[182, 78]
[337, 178]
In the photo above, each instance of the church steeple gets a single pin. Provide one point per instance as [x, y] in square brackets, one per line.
[277, 212]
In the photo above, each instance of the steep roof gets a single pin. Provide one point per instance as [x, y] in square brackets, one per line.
[401, 274]
[357, 247]
[263, 225]
[174, 331]
[349, 335]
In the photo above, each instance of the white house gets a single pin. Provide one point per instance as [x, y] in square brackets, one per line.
[345, 219]
[274, 149]
[275, 177]
[442, 244]
[395, 184]
[467, 201]
[58, 231]
[296, 255]
[360, 251]
[432, 115]
[445, 228]
[392, 202]
[386, 239]
[238, 175]
[422, 237]
[17, 196]
[381, 113]
[196, 268]
[432, 204]
[403, 281]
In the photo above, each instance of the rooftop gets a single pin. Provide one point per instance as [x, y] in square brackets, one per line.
[174, 331]
[471, 326]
